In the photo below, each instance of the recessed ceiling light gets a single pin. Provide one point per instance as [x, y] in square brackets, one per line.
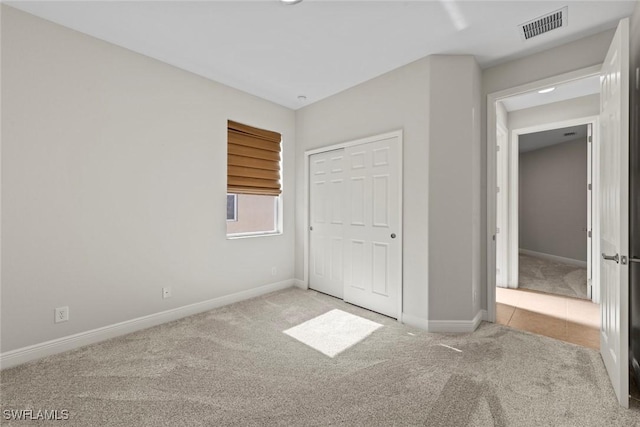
[302, 98]
[290, 1]
[547, 90]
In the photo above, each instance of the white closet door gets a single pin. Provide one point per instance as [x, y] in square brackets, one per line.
[326, 197]
[372, 230]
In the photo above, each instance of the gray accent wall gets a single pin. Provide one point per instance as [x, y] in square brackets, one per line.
[553, 200]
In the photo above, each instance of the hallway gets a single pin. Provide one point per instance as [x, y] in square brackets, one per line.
[572, 320]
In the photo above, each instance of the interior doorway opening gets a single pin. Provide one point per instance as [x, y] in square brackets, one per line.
[554, 211]
[548, 281]
[612, 180]
[545, 161]
[545, 215]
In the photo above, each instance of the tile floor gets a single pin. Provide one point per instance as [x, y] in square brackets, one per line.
[568, 319]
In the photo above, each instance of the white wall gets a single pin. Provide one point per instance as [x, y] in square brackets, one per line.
[114, 183]
[584, 106]
[572, 56]
[454, 188]
[396, 100]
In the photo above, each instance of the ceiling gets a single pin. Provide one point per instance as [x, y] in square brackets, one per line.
[563, 92]
[319, 47]
[538, 140]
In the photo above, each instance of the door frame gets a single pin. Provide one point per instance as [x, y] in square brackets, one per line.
[504, 229]
[491, 165]
[307, 212]
[592, 177]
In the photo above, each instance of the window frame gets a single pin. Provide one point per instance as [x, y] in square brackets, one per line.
[277, 206]
[235, 207]
[268, 136]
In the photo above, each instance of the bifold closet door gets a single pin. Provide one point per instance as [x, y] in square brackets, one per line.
[326, 199]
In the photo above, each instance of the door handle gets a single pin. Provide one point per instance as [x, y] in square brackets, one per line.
[615, 258]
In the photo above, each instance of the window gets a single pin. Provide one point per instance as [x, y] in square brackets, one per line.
[232, 207]
[253, 180]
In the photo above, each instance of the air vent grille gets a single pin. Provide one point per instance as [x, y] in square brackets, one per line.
[544, 24]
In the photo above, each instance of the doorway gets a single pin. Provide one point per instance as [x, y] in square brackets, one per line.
[545, 216]
[544, 228]
[497, 117]
[612, 153]
[354, 236]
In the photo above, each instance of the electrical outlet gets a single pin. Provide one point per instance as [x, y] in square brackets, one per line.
[274, 271]
[61, 314]
[166, 292]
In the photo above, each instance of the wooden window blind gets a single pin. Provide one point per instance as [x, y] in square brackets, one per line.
[253, 160]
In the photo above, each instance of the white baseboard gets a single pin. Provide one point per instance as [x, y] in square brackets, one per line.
[457, 326]
[300, 284]
[557, 258]
[415, 321]
[70, 342]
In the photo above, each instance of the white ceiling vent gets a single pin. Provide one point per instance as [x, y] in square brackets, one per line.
[544, 24]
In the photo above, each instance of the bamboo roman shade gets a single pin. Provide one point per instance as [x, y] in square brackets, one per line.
[253, 160]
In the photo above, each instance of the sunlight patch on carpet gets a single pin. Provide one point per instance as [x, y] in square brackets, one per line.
[333, 332]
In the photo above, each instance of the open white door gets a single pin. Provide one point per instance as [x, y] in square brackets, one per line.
[614, 215]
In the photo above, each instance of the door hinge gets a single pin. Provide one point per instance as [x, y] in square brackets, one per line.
[497, 189]
[589, 187]
[590, 138]
[589, 233]
[497, 148]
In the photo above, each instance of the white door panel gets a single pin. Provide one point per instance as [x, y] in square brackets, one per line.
[614, 218]
[326, 198]
[373, 255]
[355, 196]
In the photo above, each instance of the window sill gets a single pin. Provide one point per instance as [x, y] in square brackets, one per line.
[251, 235]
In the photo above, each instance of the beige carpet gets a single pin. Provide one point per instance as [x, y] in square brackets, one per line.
[234, 366]
[543, 275]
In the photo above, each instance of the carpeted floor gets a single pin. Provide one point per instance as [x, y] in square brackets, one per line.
[235, 367]
[543, 275]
